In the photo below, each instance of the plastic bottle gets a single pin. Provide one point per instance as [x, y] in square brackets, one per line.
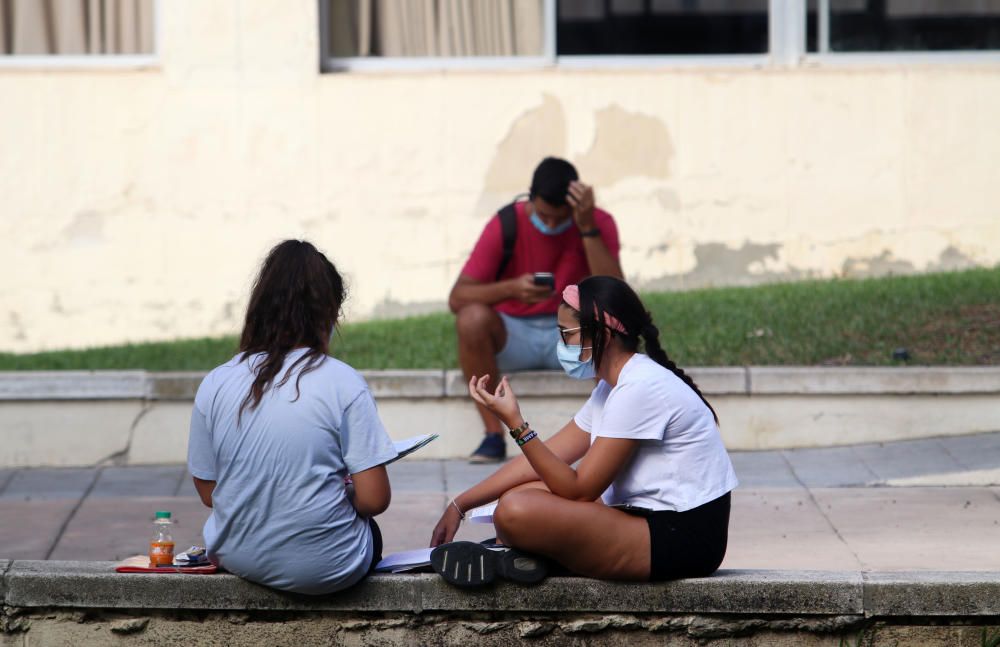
[161, 548]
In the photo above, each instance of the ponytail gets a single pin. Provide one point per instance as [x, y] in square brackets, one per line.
[651, 336]
[607, 308]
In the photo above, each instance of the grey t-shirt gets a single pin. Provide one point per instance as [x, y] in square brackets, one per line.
[281, 515]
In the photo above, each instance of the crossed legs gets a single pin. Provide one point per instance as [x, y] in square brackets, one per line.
[588, 538]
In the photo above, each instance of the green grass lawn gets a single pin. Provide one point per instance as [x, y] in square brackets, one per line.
[951, 318]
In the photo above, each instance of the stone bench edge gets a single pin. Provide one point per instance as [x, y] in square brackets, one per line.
[440, 383]
[37, 584]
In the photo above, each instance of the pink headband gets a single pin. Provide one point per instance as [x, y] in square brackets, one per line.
[571, 295]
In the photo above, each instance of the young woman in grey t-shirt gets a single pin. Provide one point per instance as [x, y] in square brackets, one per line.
[276, 431]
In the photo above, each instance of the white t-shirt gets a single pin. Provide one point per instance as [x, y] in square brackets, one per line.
[281, 515]
[681, 462]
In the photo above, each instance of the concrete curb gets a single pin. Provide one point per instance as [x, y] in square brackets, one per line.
[848, 380]
[738, 380]
[927, 594]
[137, 417]
[74, 385]
[36, 584]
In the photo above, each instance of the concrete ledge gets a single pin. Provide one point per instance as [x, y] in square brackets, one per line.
[930, 594]
[135, 417]
[734, 592]
[73, 385]
[86, 603]
[848, 380]
[406, 384]
[182, 386]
[95, 584]
[753, 380]
[179, 385]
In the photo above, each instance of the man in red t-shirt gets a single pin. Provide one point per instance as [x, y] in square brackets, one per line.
[505, 321]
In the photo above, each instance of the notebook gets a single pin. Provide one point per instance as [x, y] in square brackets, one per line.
[406, 560]
[409, 445]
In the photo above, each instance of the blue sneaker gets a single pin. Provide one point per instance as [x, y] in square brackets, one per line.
[493, 449]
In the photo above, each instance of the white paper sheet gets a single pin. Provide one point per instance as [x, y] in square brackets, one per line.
[482, 514]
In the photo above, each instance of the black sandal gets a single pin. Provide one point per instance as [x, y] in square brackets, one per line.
[470, 565]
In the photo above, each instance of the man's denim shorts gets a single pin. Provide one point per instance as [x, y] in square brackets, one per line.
[531, 343]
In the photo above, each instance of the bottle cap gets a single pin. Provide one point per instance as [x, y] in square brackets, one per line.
[162, 514]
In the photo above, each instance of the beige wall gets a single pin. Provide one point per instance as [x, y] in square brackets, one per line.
[136, 204]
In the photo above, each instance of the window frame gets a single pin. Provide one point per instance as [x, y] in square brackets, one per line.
[91, 61]
[787, 20]
[548, 59]
[827, 57]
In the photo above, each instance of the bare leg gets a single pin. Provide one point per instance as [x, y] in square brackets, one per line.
[530, 485]
[481, 335]
[588, 538]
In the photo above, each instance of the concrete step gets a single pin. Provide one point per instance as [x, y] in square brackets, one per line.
[135, 417]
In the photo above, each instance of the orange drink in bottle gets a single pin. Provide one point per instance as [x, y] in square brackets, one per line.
[161, 548]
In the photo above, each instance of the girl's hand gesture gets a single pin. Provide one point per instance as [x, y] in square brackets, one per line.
[502, 403]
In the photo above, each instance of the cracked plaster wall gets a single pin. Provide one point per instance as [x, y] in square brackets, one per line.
[137, 203]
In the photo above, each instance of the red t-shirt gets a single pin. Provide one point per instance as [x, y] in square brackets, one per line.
[534, 251]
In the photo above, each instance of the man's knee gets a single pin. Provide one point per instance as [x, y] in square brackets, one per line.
[476, 321]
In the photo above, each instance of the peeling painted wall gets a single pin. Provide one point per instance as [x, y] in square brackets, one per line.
[136, 204]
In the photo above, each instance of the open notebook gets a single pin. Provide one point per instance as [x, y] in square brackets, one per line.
[406, 560]
[409, 445]
[419, 559]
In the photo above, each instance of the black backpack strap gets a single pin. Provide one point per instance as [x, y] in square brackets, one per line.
[508, 227]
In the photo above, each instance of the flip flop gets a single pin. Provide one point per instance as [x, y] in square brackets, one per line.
[471, 565]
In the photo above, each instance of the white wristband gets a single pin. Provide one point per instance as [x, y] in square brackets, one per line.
[461, 515]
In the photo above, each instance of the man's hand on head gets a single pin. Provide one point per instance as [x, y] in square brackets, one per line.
[526, 291]
[581, 198]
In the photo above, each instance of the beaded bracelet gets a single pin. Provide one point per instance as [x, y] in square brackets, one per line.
[528, 436]
[516, 432]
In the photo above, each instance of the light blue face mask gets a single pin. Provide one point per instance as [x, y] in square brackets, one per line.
[569, 357]
[540, 225]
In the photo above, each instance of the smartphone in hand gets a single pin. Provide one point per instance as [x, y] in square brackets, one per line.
[546, 279]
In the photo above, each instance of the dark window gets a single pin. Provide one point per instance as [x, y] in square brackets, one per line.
[650, 27]
[909, 25]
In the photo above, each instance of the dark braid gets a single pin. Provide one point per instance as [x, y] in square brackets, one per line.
[651, 335]
[602, 296]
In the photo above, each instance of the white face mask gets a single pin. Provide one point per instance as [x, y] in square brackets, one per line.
[569, 358]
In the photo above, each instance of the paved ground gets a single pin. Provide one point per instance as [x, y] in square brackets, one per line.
[924, 505]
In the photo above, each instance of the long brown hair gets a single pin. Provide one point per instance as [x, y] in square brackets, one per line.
[295, 303]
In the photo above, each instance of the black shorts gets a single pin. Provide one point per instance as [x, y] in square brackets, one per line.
[690, 543]
[376, 544]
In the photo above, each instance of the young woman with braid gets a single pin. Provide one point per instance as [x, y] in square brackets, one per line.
[649, 498]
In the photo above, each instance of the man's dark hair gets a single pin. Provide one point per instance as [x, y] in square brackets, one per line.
[551, 179]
